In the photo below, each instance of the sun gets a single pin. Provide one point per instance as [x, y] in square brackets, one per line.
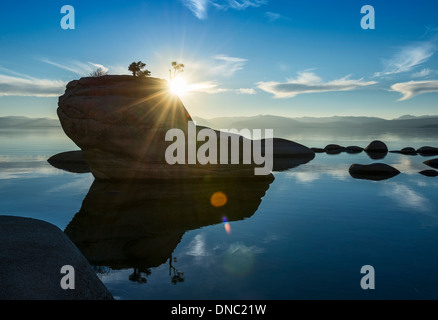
[179, 86]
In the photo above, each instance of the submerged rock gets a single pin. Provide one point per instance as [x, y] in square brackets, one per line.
[334, 149]
[353, 149]
[432, 163]
[406, 151]
[428, 151]
[429, 173]
[32, 253]
[375, 171]
[318, 150]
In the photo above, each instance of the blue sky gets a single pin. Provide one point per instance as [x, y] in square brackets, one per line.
[242, 57]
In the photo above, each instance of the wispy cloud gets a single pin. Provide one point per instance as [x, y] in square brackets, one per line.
[29, 86]
[423, 73]
[243, 4]
[413, 88]
[99, 66]
[407, 59]
[308, 82]
[274, 16]
[226, 66]
[78, 67]
[213, 87]
[200, 7]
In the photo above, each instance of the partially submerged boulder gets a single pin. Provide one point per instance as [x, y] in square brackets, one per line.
[121, 124]
[333, 149]
[406, 151]
[353, 149]
[376, 146]
[32, 253]
[428, 151]
[375, 171]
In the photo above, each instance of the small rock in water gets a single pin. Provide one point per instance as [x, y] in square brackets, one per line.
[377, 146]
[428, 151]
[334, 149]
[353, 149]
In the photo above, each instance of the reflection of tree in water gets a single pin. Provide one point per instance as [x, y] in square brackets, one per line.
[177, 276]
[140, 275]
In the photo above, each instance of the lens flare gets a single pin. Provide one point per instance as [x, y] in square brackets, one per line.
[179, 86]
[218, 199]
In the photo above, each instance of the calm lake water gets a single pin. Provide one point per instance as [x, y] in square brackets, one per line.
[304, 235]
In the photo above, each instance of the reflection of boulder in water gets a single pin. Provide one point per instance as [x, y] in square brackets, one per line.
[429, 173]
[140, 225]
[71, 161]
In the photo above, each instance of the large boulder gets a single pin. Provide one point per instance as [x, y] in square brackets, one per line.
[32, 253]
[120, 123]
[376, 150]
[377, 146]
[374, 171]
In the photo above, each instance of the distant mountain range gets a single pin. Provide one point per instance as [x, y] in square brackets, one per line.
[25, 122]
[269, 121]
[266, 121]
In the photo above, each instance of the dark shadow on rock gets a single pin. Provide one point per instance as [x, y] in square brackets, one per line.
[139, 225]
[71, 161]
[429, 173]
[375, 171]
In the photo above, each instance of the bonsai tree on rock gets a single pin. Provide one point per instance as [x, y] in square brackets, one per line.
[137, 69]
[177, 68]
